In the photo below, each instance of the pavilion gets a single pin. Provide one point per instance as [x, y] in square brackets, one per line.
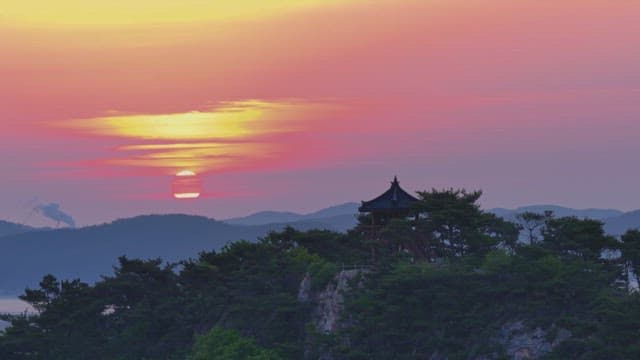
[393, 203]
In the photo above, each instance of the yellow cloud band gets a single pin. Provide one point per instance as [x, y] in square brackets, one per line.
[149, 12]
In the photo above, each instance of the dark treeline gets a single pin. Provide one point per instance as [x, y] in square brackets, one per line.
[444, 282]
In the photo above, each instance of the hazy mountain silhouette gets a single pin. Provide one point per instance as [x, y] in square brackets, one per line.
[620, 224]
[339, 223]
[91, 251]
[615, 222]
[559, 211]
[274, 217]
[265, 217]
[9, 228]
[350, 208]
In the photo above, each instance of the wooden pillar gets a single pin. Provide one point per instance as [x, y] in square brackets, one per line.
[373, 238]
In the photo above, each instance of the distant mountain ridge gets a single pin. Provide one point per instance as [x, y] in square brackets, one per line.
[620, 224]
[271, 217]
[88, 252]
[616, 222]
[9, 228]
[558, 211]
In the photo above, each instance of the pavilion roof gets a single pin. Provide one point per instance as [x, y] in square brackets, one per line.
[393, 199]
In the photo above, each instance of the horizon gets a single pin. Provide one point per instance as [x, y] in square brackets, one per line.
[46, 223]
[43, 221]
[319, 179]
[113, 110]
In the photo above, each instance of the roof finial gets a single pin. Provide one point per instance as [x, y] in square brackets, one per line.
[395, 179]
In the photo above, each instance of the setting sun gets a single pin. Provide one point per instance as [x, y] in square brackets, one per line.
[195, 178]
[186, 173]
[187, 195]
[186, 185]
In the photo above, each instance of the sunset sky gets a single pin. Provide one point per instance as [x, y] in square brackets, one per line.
[301, 104]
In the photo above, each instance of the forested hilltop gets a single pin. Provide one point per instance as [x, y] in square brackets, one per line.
[452, 282]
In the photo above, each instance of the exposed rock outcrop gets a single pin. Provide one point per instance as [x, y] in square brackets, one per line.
[328, 309]
[304, 291]
[523, 343]
[632, 279]
[520, 342]
[330, 302]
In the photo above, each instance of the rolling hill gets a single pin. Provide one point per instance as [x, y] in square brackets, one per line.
[9, 228]
[620, 224]
[88, 252]
[274, 217]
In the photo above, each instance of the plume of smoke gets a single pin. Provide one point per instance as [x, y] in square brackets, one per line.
[53, 212]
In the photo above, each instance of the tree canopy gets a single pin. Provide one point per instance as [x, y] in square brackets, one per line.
[446, 282]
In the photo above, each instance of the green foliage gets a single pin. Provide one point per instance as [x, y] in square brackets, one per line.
[631, 247]
[453, 225]
[453, 220]
[533, 223]
[337, 248]
[570, 236]
[445, 284]
[148, 310]
[320, 270]
[497, 261]
[321, 274]
[220, 344]
[416, 310]
[41, 298]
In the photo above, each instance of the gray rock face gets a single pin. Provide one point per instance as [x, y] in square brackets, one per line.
[519, 341]
[327, 315]
[523, 343]
[330, 302]
[304, 292]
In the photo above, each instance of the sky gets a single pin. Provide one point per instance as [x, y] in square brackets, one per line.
[301, 104]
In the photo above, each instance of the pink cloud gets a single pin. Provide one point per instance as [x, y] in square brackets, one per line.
[429, 86]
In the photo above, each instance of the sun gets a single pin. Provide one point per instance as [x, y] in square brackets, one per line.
[186, 185]
[186, 173]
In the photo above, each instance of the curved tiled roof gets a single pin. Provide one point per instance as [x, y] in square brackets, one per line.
[393, 199]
